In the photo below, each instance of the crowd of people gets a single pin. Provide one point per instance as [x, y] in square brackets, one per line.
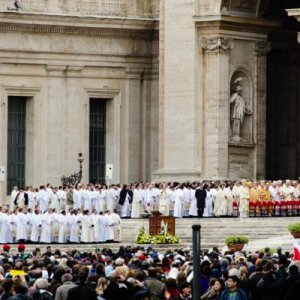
[134, 273]
[195, 199]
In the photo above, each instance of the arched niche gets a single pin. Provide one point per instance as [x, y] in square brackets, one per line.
[241, 86]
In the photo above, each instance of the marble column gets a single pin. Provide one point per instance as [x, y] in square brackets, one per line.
[216, 106]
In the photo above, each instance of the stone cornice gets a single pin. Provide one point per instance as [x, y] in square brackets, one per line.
[240, 24]
[72, 25]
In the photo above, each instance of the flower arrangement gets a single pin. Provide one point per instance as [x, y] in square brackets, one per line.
[236, 240]
[162, 238]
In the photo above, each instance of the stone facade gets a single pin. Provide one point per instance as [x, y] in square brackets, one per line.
[167, 70]
[58, 60]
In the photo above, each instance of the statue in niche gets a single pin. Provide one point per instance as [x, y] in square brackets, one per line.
[238, 110]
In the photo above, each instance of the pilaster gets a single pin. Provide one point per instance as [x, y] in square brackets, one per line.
[215, 95]
[54, 119]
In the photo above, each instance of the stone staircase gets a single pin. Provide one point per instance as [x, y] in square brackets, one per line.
[271, 232]
[262, 232]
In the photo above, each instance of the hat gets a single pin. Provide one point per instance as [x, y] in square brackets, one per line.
[142, 257]
[6, 247]
[119, 261]
[21, 247]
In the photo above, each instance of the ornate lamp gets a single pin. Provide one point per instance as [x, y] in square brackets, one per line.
[80, 160]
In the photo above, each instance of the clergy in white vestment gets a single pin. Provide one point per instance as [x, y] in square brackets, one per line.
[193, 211]
[13, 196]
[42, 200]
[21, 200]
[103, 227]
[125, 200]
[103, 198]
[62, 196]
[96, 199]
[74, 226]
[116, 221]
[178, 205]
[186, 199]
[54, 200]
[21, 220]
[96, 229]
[86, 228]
[31, 198]
[77, 197]
[112, 198]
[87, 199]
[152, 194]
[47, 221]
[229, 198]
[220, 204]
[164, 201]
[5, 231]
[36, 224]
[109, 231]
[274, 192]
[63, 227]
[136, 203]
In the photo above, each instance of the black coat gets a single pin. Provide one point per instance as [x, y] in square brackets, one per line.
[25, 199]
[123, 195]
[82, 292]
[200, 195]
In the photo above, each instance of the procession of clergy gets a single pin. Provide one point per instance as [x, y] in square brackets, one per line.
[92, 213]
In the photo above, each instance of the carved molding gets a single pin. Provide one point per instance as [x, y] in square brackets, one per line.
[262, 48]
[217, 44]
[72, 30]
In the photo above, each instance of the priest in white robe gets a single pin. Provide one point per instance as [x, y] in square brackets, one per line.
[21, 220]
[74, 226]
[86, 228]
[116, 221]
[42, 199]
[36, 224]
[136, 203]
[63, 227]
[5, 232]
[178, 205]
[47, 221]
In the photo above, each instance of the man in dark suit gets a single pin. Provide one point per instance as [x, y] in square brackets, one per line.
[82, 291]
[200, 195]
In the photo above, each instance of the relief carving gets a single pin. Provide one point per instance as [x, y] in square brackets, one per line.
[216, 44]
[262, 48]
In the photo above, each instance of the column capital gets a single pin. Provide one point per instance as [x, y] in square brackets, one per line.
[262, 48]
[217, 44]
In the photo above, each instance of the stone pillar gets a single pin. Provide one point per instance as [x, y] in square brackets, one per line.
[216, 106]
[3, 144]
[179, 114]
[55, 116]
[131, 129]
[262, 48]
[76, 123]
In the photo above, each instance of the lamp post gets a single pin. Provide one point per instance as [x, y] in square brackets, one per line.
[196, 261]
[80, 160]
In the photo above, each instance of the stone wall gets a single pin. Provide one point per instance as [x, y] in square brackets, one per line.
[134, 8]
